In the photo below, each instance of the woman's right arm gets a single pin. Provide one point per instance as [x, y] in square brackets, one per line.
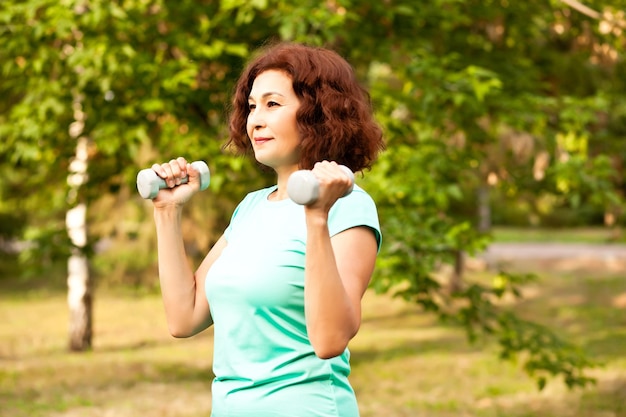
[186, 306]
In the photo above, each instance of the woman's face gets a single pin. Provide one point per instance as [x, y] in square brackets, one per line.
[272, 126]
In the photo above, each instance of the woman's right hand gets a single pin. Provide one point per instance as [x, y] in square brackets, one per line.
[177, 193]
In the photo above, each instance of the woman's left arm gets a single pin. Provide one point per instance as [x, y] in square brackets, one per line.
[337, 273]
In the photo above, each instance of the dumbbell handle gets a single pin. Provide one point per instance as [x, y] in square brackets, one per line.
[149, 183]
[303, 187]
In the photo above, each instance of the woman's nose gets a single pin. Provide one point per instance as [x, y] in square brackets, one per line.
[256, 119]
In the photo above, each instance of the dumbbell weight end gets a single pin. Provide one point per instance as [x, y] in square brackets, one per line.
[303, 186]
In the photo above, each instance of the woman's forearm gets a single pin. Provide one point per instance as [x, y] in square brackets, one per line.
[332, 317]
[178, 284]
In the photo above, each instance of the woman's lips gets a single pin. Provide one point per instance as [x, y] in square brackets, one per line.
[260, 141]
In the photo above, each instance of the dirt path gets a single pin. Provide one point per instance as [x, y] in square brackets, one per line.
[562, 255]
[555, 251]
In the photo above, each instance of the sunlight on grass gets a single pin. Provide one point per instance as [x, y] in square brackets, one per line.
[596, 235]
[135, 367]
[405, 363]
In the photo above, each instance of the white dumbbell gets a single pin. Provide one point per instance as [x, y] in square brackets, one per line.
[149, 183]
[303, 186]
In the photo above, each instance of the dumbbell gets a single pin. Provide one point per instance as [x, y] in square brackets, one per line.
[149, 183]
[303, 187]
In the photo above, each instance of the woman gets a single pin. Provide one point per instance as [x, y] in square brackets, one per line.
[284, 283]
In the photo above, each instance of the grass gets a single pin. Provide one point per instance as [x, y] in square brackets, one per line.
[405, 363]
[593, 235]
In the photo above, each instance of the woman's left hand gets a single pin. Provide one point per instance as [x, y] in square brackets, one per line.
[333, 184]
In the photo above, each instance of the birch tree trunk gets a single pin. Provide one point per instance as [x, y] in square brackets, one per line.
[79, 296]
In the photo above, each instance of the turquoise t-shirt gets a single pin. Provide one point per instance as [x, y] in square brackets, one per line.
[264, 364]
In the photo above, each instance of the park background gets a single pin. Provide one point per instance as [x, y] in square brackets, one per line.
[505, 123]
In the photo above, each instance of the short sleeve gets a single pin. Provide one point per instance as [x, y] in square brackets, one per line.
[356, 209]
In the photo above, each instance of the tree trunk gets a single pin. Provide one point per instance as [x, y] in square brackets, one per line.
[484, 209]
[79, 282]
[456, 279]
[79, 296]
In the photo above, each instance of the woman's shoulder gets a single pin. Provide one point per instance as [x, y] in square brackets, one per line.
[358, 198]
[356, 209]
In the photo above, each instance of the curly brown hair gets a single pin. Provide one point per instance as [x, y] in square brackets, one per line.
[335, 118]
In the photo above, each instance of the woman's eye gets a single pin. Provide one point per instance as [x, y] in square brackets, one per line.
[272, 104]
[251, 106]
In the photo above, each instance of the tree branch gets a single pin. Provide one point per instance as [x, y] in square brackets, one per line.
[583, 9]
